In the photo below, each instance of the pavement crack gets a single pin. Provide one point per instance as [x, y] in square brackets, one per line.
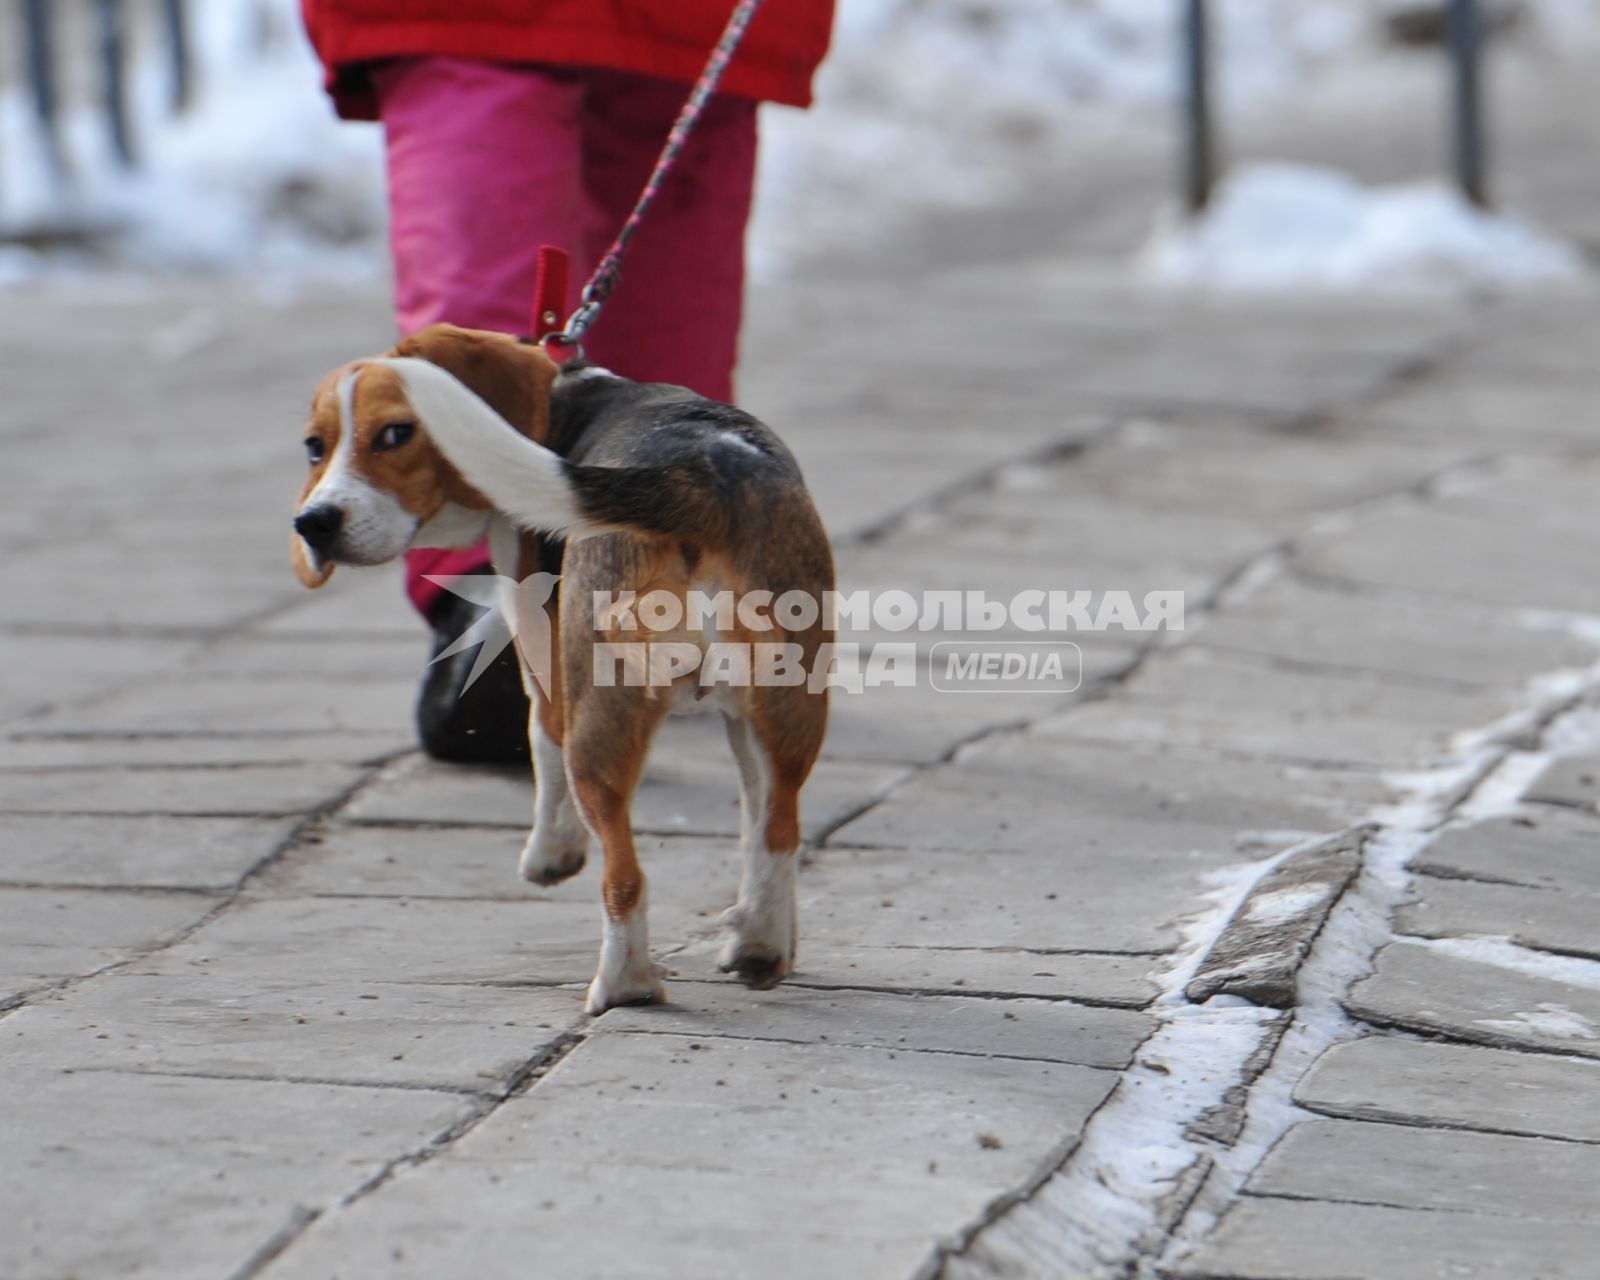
[977, 481]
[971, 993]
[281, 1078]
[1370, 1114]
[1441, 871]
[529, 1073]
[299, 1220]
[890, 1049]
[310, 822]
[484, 1105]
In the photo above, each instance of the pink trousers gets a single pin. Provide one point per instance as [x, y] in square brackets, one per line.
[487, 161]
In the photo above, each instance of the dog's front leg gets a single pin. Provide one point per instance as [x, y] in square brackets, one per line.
[558, 846]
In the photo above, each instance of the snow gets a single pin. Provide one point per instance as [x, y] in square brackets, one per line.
[1549, 1019]
[1502, 953]
[922, 104]
[976, 98]
[258, 177]
[1276, 228]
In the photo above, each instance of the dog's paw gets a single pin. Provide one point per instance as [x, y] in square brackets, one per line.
[760, 946]
[551, 859]
[613, 991]
[758, 966]
[757, 962]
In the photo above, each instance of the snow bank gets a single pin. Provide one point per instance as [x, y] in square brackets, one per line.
[256, 177]
[1282, 228]
[957, 103]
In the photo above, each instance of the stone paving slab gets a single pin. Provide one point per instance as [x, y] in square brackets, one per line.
[437, 862]
[877, 898]
[1004, 794]
[1222, 702]
[1117, 979]
[1534, 413]
[313, 660]
[1543, 919]
[73, 751]
[149, 852]
[395, 941]
[165, 595]
[681, 793]
[227, 703]
[921, 725]
[1314, 1240]
[1424, 989]
[530, 1219]
[50, 934]
[1552, 495]
[1045, 1031]
[219, 1021]
[292, 789]
[1232, 468]
[1259, 953]
[1413, 1168]
[1026, 510]
[1549, 850]
[1419, 638]
[189, 1200]
[962, 561]
[419, 940]
[1415, 548]
[1458, 1086]
[360, 604]
[891, 1134]
[1573, 781]
[42, 672]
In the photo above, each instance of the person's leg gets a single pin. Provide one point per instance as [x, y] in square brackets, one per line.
[483, 162]
[676, 311]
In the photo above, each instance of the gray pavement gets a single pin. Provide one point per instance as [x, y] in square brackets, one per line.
[273, 1001]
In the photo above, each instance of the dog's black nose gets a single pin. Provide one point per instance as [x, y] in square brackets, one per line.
[319, 526]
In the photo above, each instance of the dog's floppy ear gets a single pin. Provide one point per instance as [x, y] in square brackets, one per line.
[310, 578]
[512, 377]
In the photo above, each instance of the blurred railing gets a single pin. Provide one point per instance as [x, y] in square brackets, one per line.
[1463, 41]
[43, 54]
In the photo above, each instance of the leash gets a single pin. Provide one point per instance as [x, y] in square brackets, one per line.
[550, 288]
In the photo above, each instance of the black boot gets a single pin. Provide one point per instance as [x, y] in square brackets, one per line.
[485, 722]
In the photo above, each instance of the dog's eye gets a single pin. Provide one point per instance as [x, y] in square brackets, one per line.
[315, 449]
[393, 436]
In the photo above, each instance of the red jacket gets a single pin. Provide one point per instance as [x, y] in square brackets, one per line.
[667, 38]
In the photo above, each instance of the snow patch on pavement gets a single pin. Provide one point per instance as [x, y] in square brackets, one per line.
[1502, 953]
[1549, 1019]
[1485, 777]
[1286, 228]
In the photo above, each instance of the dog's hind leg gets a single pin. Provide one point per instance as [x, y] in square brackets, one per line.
[775, 746]
[607, 738]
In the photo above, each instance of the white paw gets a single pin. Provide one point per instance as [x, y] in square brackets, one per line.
[760, 946]
[609, 991]
[550, 858]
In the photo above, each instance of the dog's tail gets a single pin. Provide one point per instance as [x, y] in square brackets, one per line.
[539, 489]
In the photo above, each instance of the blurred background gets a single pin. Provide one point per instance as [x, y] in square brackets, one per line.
[159, 137]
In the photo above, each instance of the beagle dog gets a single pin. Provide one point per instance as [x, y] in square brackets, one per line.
[621, 487]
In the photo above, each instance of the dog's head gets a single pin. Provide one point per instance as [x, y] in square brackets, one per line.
[377, 482]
